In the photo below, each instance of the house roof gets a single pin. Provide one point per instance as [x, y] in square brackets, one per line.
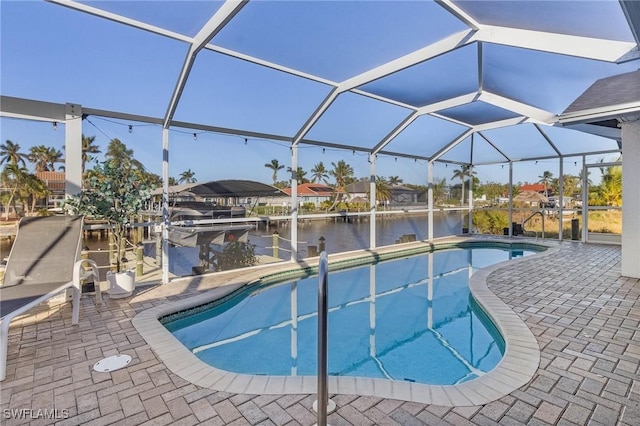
[534, 187]
[224, 188]
[312, 190]
[606, 99]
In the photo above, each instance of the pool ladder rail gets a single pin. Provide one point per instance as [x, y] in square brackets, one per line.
[531, 217]
[323, 405]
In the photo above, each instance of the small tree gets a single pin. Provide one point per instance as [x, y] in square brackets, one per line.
[236, 254]
[114, 194]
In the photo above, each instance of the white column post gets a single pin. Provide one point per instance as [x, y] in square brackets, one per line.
[73, 149]
[585, 199]
[510, 198]
[372, 201]
[631, 199]
[294, 328]
[165, 206]
[430, 200]
[560, 197]
[294, 203]
[470, 224]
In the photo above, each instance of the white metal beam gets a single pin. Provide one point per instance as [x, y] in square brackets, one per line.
[395, 132]
[326, 103]
[451, 145]
[520, 108]
[584, 47]
[226, 12]
[493, 146]
[29, 109]
[438, 48]
[449, 103]
[459, 13]
[501, 123]
[82, 7]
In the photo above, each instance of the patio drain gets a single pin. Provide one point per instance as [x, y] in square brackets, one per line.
[112, 363]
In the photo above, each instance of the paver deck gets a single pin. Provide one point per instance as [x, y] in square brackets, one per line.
[584, 315]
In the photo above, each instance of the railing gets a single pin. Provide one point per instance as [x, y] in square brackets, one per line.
[529, 218]
[323, 365]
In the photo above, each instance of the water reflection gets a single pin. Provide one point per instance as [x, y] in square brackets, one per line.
[408, 319]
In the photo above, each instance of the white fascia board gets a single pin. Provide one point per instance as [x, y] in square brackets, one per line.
[438, 48]
[459, 13]
[121, 19]
[28, 109]
[448, 103]
[526, 110]
[583, 47]
[605, 132]
[602, 113]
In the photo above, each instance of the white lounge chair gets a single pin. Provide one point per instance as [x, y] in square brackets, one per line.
[45, 260]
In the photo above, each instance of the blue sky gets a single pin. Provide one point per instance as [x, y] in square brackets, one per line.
[54, 54]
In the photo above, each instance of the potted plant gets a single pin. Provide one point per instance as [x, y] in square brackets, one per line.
[113, 193]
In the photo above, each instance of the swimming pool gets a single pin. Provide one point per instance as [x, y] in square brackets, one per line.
[409, 319]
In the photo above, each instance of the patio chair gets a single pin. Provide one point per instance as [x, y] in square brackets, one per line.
[44, 261]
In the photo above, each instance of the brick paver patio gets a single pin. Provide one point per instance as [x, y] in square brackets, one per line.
[584, 315]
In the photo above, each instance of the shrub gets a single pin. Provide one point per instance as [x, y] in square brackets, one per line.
[236, 254]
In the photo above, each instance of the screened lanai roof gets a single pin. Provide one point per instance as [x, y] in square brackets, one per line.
[463, 81]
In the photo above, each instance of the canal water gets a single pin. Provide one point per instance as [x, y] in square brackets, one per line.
[339, 236]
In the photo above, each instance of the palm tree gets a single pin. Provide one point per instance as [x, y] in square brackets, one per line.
[53, 156]
[464, 171]
[580, 178]
[300, 175]
[395, 180]
[545, 180]
[39, 156]
[120, 156]
[12, 177]
[275, 166]
[319, 173]
[88, 148]
[343, 175]
[187, 176]
[383, 189]
[610, 189]
[10, 154]
[32, 189]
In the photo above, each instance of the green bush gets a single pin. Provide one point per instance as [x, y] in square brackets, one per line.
[490, 221]
[236, 254]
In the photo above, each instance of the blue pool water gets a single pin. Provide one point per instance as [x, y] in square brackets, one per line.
[405, 319]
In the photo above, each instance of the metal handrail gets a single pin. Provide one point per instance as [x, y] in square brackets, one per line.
[323, 391]
[529, 218]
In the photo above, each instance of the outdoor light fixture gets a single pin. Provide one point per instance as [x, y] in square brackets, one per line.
[195, 136]
[245, 141]
[130, 128]
[55, 125]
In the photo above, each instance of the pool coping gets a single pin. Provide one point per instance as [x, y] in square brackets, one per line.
[518, 365]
